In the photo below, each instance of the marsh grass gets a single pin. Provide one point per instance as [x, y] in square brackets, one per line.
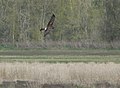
[86, 74]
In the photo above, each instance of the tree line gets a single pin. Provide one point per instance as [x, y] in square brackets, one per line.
[76, 20]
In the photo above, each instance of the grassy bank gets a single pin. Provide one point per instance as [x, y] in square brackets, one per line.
[60, 52]
[66, 59]
[60, 56]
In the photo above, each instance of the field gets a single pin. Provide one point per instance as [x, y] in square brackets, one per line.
[66, 68]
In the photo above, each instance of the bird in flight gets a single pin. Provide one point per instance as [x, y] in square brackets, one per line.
[49, 26]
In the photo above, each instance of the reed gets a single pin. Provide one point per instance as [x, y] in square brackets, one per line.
[86, 74]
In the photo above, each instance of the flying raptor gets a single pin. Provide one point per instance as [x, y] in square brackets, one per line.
[49, 26]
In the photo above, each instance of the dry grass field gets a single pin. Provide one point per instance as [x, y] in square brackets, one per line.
[81, 74]
[82, 68]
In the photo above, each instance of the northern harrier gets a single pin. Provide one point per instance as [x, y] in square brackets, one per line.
[49, 26]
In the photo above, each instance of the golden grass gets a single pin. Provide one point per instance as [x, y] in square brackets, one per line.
[70, 73]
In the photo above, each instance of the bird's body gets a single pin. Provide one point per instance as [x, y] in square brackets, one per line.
[49, 26]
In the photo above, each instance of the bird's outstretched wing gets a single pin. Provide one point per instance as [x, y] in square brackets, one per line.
[42, 29]
[50, 25]
[51, 22]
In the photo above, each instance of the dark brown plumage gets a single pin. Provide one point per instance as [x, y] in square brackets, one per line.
[49, 26]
